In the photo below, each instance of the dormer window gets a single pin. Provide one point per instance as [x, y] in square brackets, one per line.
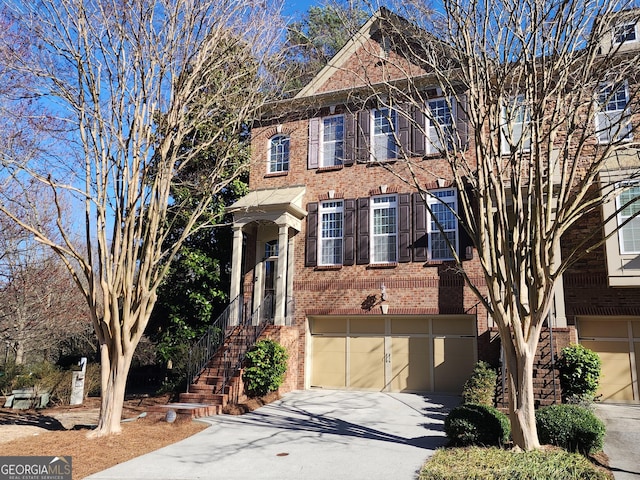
[625, 33]
[279, 154]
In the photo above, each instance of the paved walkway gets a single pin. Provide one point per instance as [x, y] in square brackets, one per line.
[622, 443]
[311, 434]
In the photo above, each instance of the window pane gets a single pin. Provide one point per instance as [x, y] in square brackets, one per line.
[384, 145]
[625, 33]
[332, 140]
[331, 230]
[630, 233]
[384, 229]
[279, 154]
[443, 227]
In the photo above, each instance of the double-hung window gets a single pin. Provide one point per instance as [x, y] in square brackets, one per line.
[384, 231]
[440, 125]
[626, 32]
[331, 216]
[279, 154]
[332, 151]
[613, 119]
[515, 130]
[385, 122]
[628, 205]
[443, 227]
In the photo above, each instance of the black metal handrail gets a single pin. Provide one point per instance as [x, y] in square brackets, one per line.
[245, 337]
[203, 349]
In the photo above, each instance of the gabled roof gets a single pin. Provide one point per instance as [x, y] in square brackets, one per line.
[338, 60]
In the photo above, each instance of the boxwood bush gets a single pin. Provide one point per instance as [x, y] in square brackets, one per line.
[476, 424]
[579, 370]
[266, 364]
[480, 387]
[574, 428]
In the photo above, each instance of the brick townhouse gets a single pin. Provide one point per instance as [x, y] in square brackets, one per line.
[340, 252]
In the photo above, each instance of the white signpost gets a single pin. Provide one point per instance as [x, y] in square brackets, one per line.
[77, 384]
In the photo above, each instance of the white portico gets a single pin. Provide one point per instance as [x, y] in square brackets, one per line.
[269, 221]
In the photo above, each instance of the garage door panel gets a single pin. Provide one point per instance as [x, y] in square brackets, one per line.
[604, 328]
[328, 368]
[393, 353]
[453, 360]
[615, 379]
[410, 364]
[366, 363]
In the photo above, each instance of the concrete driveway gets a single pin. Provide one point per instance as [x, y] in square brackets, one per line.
[311, 434]
[622, 442]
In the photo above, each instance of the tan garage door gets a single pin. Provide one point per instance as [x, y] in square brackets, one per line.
[405, 354]
[617, 341]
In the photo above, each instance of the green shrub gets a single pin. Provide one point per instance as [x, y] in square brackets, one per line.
[574, 428]
[579, 370]
[480, 387]
[265, 368]
[475, 424]
[499, 464]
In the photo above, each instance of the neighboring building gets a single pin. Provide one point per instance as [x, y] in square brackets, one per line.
[336, 248]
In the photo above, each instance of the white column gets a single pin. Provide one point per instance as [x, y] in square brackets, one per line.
[290, 267]
[236, 274]
[281, 278]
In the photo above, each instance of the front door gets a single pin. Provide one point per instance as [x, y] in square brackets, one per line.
[270, 274]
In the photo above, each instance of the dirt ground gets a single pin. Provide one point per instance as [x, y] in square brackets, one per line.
[63, 431]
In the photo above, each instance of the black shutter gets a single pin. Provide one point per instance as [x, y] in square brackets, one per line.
[364, 136]
[404, 129]
[420, 234]
[363, 231]
[404, 227]
[418, 145]
[462, 122]
[349, 254]
[311, 254]
[465, 242]
[350, 129]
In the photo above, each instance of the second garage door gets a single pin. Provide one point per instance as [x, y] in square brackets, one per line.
[399, 354]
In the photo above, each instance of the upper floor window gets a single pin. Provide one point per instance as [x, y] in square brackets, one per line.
[613, 119]
[440, 125]
[385, 123]
[279, 154]
[515, 134]
[443, 227]
[332, 151]
[384, 232]
[625, 33]
[628, 205]
[331, 216]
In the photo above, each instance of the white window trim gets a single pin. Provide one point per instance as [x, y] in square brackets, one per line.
[621, 25]
[432, 130]
[372, 235]
[392, 134]
[322, 209]
[433, 200]
[322, 162]
[625, 116]
[620, 220]
[270, 162]
[505, 146]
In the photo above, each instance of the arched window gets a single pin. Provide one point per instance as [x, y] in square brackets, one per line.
[279, 154]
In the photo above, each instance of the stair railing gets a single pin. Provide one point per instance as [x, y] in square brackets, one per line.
[202, 350]
[246, 337]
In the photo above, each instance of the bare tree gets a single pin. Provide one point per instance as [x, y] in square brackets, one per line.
[131, 86]
[39, 305]
[514, 100]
